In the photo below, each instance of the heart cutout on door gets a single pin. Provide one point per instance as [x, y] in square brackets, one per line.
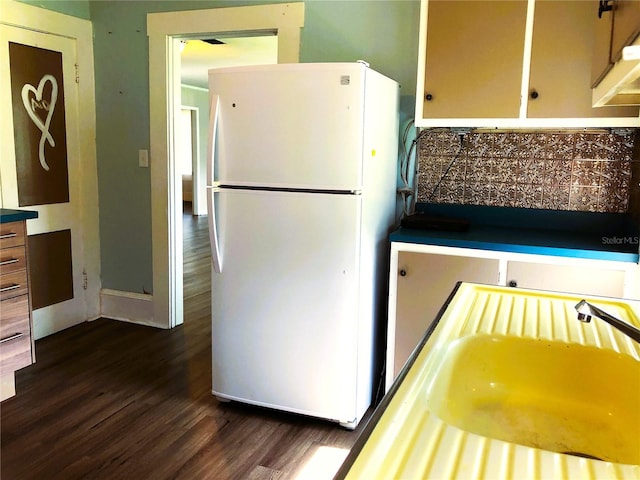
[34, 103]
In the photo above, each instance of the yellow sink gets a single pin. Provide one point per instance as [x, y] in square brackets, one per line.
[510, 385]
[567, 398]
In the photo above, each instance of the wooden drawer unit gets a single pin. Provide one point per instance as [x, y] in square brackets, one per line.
[16, 343]
[15, 335]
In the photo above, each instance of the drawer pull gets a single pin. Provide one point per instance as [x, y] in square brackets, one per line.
[9, 262]
[14, 286]
[8, 235]
[12, 337]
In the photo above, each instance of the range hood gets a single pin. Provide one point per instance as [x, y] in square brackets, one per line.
[621, 85]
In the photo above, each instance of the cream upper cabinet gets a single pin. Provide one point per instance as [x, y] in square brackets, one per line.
[473, 64]
[626, 26]
[561, 55]
[617, 25]
[510, 64]
[603, 27]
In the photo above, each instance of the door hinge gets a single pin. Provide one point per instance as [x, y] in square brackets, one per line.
[77, 73]
[85, 281]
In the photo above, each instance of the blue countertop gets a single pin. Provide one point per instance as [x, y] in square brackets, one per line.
[541, 232]
[7, 215]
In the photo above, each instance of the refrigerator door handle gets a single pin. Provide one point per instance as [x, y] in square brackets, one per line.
[213, 229]
[211, 191]
[214, 115]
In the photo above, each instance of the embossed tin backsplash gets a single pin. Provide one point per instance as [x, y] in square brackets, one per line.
[557, 171]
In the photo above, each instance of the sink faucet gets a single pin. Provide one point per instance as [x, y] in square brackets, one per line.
[586, 311]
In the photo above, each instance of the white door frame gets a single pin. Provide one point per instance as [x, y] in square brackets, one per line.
[164, 31]
[46, 21]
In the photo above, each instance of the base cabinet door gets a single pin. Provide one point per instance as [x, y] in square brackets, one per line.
[424, 284]
[586, 280]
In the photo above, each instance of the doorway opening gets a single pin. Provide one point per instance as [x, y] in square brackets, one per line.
[197, 56]
[166, 33]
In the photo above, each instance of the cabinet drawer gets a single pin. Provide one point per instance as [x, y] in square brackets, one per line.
[13, 284]
[15, 353]
[13, 259]
[15, 334]
[12, 234]
[15, 316]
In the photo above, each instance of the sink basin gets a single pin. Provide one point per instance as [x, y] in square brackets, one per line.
[510, 385]
[562, 397]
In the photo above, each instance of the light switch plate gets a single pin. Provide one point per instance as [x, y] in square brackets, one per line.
[143, 158]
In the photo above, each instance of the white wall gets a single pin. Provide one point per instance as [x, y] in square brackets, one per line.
[199, 98]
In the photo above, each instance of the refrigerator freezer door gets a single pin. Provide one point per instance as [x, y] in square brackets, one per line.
[301, 125]
[285, 307]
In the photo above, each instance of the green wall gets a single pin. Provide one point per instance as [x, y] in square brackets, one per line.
[382, 32]
[75, 8]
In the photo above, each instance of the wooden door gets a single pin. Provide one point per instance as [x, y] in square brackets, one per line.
[41, 169]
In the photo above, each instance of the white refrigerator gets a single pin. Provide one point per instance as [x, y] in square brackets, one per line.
[301, 198]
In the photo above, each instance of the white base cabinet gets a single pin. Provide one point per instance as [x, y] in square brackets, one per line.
[587, 280]
[422, 277]
[424, 282]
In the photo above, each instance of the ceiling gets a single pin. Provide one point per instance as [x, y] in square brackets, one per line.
[199, 56]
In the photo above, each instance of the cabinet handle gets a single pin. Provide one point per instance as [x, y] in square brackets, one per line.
[428, 97]
[14, 286]
[403, 273]
[604, 7]
[534, 94]
[513, 283]
[8, 235]
[9, 262]
[12, 337]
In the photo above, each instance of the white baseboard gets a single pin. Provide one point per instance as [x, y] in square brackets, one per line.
[128, 307]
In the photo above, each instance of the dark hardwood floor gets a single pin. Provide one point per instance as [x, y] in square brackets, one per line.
[113, 400]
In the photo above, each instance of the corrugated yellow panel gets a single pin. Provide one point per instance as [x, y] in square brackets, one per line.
[513, 356]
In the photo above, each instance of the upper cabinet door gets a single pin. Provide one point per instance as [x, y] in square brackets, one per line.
[626, 26]
[473, 64]
[602, 30]
[561, 55]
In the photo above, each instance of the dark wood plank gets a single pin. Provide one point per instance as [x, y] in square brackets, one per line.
[108, 399]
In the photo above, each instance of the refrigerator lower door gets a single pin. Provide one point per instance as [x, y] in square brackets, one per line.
[285, 308]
